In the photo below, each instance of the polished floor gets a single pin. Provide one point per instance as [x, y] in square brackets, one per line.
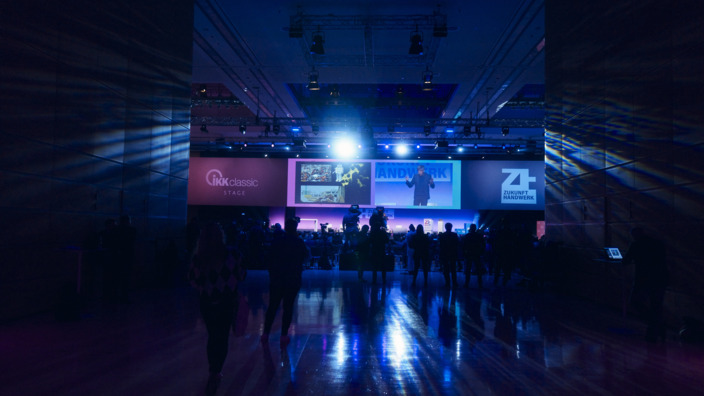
[353, 338]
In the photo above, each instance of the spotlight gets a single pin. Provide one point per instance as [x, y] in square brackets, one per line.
[504, 131]
[313, 80]
[295, 129]
[401, 149]
[476, 146]
[460, 149]
[243, 128]
[317, 47]
[450, 129]
[204, 128]
[344, 148]
[386, 146]
[244, 144]
[416, 43]
[427, 84]
[272, 144]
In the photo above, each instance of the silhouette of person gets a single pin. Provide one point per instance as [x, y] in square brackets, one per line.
[650, 280]
[378, 238]
[421, 255]
[126, 237]
[503, 245]
[350, 226]
[362, 251]
[473, 246]
[378, 218]
[285, 272]
[409, 250]
[214, 272]
[449, 246]
[350, 221]
[423, 183]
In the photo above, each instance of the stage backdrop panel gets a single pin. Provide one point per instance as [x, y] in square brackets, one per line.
[237, 181]
[503, 185]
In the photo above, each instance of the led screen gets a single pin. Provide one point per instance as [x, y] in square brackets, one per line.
[417, 184]
[329, 183]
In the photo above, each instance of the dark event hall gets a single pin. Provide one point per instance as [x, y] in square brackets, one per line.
[212, 197]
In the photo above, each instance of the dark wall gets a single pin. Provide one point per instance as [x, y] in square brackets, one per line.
[95, 116]
[624, 83]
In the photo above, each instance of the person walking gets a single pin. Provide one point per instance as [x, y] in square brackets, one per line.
[285, 277]
[215, 273]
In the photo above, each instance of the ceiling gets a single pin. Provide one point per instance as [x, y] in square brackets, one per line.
[252, 70]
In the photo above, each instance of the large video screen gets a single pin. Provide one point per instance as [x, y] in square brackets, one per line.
[329, 183]
[418, 184]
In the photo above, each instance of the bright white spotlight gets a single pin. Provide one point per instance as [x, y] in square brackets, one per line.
[344, 148]
[401, 149]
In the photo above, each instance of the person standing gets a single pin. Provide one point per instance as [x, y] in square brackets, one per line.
[362, 253]
[473, 246]
[449, 246]
[421, 246]
[214, 272]
[409, 250]
[350, 226]
[650, 280]
[423, 183]
[285, 277]
[378, 238]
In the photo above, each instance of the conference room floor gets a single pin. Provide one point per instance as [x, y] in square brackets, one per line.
[350, 337]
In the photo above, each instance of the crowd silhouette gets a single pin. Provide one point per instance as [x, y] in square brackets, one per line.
[218, 252]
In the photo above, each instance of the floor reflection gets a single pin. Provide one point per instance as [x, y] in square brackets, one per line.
[348, 338]
[399, 339]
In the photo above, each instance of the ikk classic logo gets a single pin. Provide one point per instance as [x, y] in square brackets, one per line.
[515, 189]
[214, 178]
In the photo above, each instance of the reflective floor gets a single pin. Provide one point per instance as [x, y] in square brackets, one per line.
[349, 337]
